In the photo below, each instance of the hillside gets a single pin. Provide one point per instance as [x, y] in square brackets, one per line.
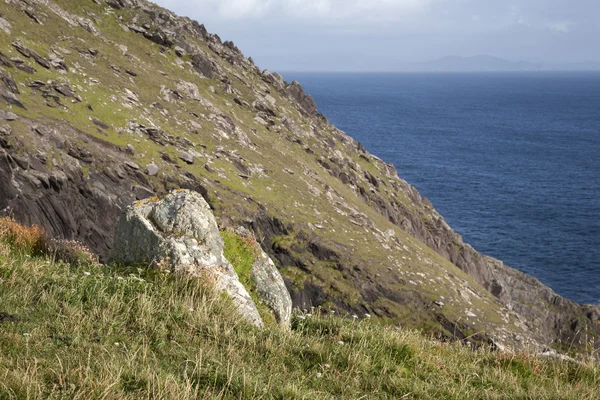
[107, 102]
[88, 331]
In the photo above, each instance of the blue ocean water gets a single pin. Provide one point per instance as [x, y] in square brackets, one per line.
[512, 161]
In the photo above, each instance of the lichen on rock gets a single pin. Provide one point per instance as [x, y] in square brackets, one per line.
[180, 230]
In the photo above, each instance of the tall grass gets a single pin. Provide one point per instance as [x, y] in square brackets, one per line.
[111, 332]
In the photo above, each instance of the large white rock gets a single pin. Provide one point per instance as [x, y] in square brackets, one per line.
[180, 230]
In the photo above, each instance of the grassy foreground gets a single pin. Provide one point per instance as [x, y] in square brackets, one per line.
[81, 330]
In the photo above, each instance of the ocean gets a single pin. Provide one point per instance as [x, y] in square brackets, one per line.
[511, 160]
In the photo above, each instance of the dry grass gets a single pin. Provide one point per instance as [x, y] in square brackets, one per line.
[110, 332]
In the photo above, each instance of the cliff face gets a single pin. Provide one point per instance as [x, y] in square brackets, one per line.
[105, 102]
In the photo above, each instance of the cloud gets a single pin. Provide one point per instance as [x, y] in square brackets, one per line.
[560, 26]
[324, 10]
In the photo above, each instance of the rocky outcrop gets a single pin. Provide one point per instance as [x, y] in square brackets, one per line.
[305, 101]
[180, 231]
[269, 283]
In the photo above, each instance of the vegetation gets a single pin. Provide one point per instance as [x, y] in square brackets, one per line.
[97, 331]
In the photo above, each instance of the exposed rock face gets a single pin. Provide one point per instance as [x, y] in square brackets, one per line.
[305, 101]
[180, 230]
[269, 283]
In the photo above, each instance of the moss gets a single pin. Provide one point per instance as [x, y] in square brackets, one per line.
[242, 255]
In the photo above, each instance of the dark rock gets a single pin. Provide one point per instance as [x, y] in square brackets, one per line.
[31, 54]
[64, 89]
[81, 154]
[93, 52]
[142, 192]
[21, 49]
[132, 165]
[203, 65]
[100, 123]
[130, 72]
[187, 158]
[306, 102]
[159, 37]
[22, 66]
[9, 81]
[30, 13]
[11, 99]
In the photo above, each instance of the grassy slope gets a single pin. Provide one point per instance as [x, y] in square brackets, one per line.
[409, 267]
[125, 333]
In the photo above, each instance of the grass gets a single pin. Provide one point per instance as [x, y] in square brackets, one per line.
[125, 333]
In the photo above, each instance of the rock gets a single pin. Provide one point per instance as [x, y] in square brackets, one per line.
[132, 165]
[5, 26]
[11, 99]
[306, 102]
[187, 158]
[7, 116]
[188, 90]
[152, 169]
[159, 37]
[269, 282]
[93, 52]
[180, 230]
[9, 81]
[22, 66]
[179, 51]
[130, 72]
[64, 89]
[129, 149]
[100, 123]
[203, 65]
[58, 62]
[31, 54]
[142, 192]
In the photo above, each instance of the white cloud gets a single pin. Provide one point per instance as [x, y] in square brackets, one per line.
[560, 26]
[327, 10]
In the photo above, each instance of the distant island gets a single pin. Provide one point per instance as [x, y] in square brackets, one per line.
[487, 63]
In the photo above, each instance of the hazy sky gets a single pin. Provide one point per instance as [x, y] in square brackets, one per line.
[371, 35]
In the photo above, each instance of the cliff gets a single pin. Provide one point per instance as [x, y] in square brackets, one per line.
[107, 102]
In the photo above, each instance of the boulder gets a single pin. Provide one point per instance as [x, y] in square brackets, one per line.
[180, 230]
[269, 283]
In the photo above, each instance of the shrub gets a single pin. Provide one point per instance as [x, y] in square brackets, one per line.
[71, 252]
[21, 238]
[32, 240]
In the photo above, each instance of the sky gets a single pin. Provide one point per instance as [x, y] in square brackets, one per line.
[384, 35]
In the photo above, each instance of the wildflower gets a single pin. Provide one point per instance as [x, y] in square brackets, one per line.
[367, 316]
[27, 335]
[341, 342]
[86, 273]
[326, 366]
[309, 315]
[167, 271]
[332, 312]
[355, 316]
[191, 309]
[319, 374]
[301, 317]
[120, 278]
[117, 343]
